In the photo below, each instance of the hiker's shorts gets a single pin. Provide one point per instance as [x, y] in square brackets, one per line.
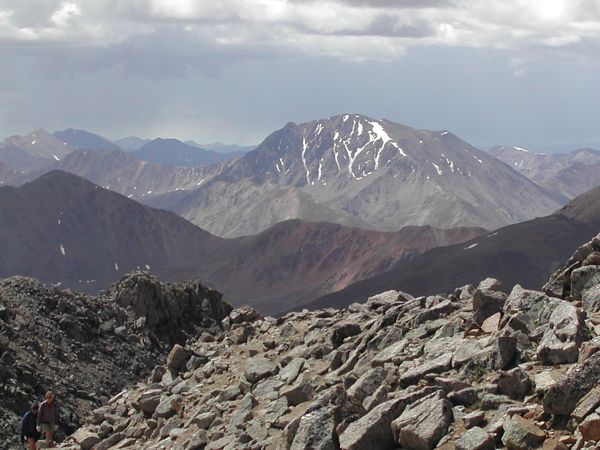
[47, 428]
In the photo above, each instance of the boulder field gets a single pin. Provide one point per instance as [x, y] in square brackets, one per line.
[482, 367]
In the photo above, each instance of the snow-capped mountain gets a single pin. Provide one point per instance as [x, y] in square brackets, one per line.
[568, 174]
[354, 170]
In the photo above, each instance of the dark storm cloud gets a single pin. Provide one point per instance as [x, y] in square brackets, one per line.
[234, 70]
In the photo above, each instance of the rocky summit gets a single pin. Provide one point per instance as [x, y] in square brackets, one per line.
[483, 367]
[87, 349]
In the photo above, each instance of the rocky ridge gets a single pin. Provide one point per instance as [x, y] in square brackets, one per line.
[86, 348]
[479, 368]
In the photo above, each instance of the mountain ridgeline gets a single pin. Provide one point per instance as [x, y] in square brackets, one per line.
[64, 230]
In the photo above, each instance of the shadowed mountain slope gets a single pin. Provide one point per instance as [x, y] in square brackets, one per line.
[62, 228]
[524, 253]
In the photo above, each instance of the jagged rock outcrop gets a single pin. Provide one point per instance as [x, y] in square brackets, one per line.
[87, 348]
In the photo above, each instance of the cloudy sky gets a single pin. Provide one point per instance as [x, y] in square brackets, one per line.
[492, 71]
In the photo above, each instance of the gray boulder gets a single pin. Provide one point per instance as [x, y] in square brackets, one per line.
[178, 357]
[584, 278]
[487, 302]
[515, 383]
[316, 430]
[424, 423]
[258, 368]
[562, 397]
[437, 365]
[475, 439]
[373, 430]
[367, 384]
[522, 434]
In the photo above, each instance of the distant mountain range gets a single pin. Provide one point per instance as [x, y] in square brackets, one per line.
[39, 150]
[131, 143]
[568, 174]
[224, 148]
[176, 153]
[349, 169]
[82, 139]
[524, 253]
[32, 151]
[63, 229]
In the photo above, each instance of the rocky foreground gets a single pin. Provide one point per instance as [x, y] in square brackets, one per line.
[480, 368]
[86, 348]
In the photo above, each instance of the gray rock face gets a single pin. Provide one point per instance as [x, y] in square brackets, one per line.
[290, 372]
[562, 397]
[487, 302]
[437, 365]
[298, 393]
[520, 433]
[149, 400]
[583, 279]
[373, 430]
[258, 368]
[515, 383]
[475, 439]
[367, 384]
[316, 430]
[423, 424]
[431, 181]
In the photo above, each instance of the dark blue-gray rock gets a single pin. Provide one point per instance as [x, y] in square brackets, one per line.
[299, 392]
[316, 430]
[343, 331]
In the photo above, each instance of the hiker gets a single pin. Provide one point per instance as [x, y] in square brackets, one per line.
[29, 432]
[47, 416]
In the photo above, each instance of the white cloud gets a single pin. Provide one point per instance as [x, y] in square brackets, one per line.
[348, 29]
